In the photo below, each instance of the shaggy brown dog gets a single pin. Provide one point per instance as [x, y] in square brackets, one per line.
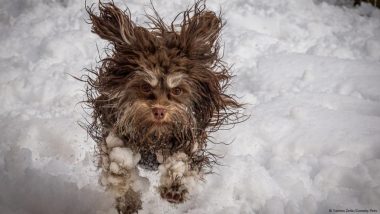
[156, 97]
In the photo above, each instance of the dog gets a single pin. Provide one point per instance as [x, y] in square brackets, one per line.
[156, 97]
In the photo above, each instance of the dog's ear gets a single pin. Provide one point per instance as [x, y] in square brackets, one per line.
[199, 33]
[112, 24]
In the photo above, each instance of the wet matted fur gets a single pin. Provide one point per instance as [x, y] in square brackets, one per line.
[161, 90]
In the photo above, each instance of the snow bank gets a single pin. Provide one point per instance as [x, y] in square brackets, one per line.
[308, 70]
[316, 132]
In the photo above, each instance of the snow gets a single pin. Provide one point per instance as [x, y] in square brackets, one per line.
[113, 141]
[124, 157]
[177, 166]
[308, 71]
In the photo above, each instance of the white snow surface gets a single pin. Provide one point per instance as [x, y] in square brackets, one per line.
[309, 72]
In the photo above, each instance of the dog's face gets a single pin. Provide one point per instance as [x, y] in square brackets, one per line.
[164, 82]
[156, 103]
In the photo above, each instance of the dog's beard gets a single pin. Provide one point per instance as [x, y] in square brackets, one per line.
[142, 132]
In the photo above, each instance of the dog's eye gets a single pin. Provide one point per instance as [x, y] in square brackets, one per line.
[146, 88]
[176, 91]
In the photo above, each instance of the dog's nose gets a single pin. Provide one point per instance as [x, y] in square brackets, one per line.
[159, 113]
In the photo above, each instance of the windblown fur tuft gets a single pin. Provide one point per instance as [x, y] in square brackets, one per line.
[190, 46]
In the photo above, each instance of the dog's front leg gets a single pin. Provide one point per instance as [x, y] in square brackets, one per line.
[177, 178]
[120, 174]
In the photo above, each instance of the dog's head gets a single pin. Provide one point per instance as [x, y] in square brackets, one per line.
[162, 82]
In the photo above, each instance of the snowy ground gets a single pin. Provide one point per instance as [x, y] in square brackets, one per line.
[309, 71]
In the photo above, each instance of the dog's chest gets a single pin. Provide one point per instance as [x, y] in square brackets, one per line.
[149, 161]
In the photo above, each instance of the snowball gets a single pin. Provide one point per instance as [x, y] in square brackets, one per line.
[113, 141]
[124, 157]
[175, 165]
[114, 167]
[160, 157]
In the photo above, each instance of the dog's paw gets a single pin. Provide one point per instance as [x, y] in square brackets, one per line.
[174, 194]
[130, 203]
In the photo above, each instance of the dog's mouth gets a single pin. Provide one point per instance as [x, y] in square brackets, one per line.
[141, 121]
[159, 122]
[159, 126]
